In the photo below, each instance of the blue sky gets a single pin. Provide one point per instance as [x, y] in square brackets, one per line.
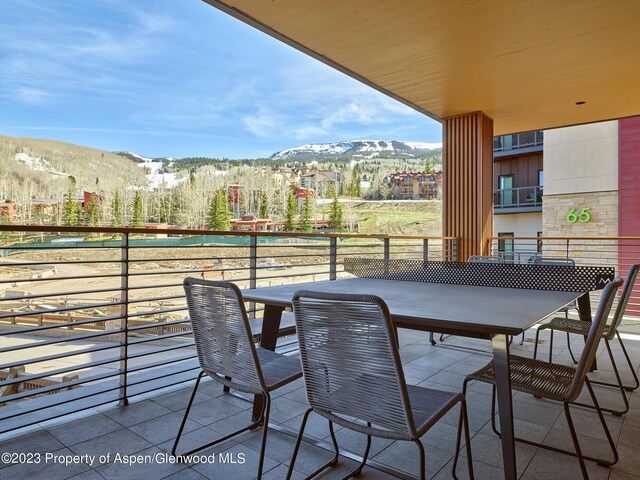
[177, 78]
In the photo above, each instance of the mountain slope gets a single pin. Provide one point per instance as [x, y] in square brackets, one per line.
[155, 169]
[357, 148]
[36, 167]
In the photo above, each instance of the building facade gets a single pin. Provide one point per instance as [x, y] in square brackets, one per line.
[580, 181]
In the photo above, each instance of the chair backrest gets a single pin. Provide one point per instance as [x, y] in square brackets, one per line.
[350, 362]
[222, 334]
[484, 259]
[554, 261]
[593, 338]
[624, 299]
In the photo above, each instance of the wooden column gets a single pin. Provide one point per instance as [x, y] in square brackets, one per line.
[467, 207]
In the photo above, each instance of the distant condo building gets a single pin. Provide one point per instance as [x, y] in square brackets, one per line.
[415, 186]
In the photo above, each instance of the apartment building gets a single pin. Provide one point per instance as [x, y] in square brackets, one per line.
[580, 181]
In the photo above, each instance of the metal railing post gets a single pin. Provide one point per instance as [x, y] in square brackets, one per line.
[124, 320]
[387, 249]
[454, 250]
[333, 258]
[425, 250]
[567, 248]
[253, 271]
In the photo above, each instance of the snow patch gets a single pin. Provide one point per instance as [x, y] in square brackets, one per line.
[39, 164]
[156, 179]
[365, 148]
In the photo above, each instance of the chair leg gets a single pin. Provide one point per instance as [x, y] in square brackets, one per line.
[576, 443]
[599, 461]
[264, 415]
[551, 346]
[535, 346]
[329, 464]
[442, 337]
[431, 339]
[267, 410]
[603, 422]
[359, 468]
[298, 440]
[522, 339]
[186, 413]
[463, 418]
[617, 413]
[636, 382]
[226, 389]
[422, 461]
[628, 388]
[571, 351]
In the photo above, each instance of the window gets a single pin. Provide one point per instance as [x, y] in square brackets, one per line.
[539, 246]
[506, 190]
[505, 246]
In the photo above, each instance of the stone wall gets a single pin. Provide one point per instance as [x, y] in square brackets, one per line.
[603, 223]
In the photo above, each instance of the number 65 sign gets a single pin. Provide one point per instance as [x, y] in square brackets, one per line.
[583, 217]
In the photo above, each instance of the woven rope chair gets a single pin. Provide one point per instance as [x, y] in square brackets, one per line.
[609, 333]
[227, 352]
[559, 382]
[353, 376]
[474, 259]
[569, 262]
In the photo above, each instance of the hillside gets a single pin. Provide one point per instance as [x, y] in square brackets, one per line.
[41, 168]
[391, 217]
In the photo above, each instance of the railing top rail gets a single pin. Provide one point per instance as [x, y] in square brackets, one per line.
[573, 239]
[175, 231]
[516, 188]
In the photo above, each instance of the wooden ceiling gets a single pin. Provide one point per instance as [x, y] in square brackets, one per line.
[523, 63]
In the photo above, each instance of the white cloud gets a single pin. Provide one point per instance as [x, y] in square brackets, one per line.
[263, 123]
[33, 96]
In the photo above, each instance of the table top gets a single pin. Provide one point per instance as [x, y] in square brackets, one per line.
[461, 309]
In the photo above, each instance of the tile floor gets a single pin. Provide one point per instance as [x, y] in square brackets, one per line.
[148, 425]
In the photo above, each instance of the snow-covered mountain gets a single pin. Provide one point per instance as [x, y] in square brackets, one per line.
[154, 168]
[357, 148]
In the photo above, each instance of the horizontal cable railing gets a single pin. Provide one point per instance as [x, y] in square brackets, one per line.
[617, 252]
[90, 316]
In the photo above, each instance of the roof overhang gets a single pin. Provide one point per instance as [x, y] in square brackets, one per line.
[525, 64]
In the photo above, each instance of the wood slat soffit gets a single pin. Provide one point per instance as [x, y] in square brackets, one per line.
[525, 64]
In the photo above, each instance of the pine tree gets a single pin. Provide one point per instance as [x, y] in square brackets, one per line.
[264, 206]
[223, 215]
[428, 166]
[91, 218]
[69, 216]
[213, 212]
[137, 220]
[335, 215]
[117, 211]
[290, 217]
[306, 222]
[78, 213]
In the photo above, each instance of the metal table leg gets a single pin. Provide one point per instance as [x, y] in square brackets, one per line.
[268, 340]
[500, 344]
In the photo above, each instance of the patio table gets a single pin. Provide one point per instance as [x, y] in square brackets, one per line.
[465, 310]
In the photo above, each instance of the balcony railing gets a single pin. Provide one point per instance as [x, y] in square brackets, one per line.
[618, 252]
[518, 141]
[91, 316]
[518, 198]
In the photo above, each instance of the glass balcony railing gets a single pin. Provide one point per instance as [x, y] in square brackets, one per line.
[517, 141]
[521, 197]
